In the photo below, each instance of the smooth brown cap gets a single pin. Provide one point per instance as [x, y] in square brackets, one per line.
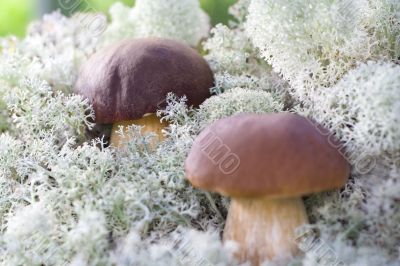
[132, 78]
[272, 155]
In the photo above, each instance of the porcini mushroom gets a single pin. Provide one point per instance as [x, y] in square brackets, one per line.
[127, 82]
[265, 163]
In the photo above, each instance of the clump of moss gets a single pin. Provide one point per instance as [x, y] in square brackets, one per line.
[175, 19]
[312, 44]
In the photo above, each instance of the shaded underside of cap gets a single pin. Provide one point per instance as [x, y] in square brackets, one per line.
[133, 77]
[272, 155]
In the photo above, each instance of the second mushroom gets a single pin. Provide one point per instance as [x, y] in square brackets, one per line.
[265, 163]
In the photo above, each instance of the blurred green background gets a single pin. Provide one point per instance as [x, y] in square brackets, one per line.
[16, 14]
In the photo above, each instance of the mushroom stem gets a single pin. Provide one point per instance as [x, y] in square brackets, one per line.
[264, 228]
[150, 123]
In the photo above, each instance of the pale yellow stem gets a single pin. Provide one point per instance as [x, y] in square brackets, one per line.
[264, 228]
[150, 123]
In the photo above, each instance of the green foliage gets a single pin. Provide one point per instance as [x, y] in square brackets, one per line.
[104, 5]
[218, 10]
[15, 16]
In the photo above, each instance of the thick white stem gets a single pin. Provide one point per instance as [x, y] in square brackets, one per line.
[264, 228]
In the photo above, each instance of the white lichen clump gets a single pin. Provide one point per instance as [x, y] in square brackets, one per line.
[236, 62]
[363, 108]
[182, 20]
[314, 43]
[237, 101]
[66, 199]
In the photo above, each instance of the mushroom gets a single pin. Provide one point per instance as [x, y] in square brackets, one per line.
[127, 82]
[265, 163]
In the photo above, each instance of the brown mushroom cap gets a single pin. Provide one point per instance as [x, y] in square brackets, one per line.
[272, 155]
[132, 78]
